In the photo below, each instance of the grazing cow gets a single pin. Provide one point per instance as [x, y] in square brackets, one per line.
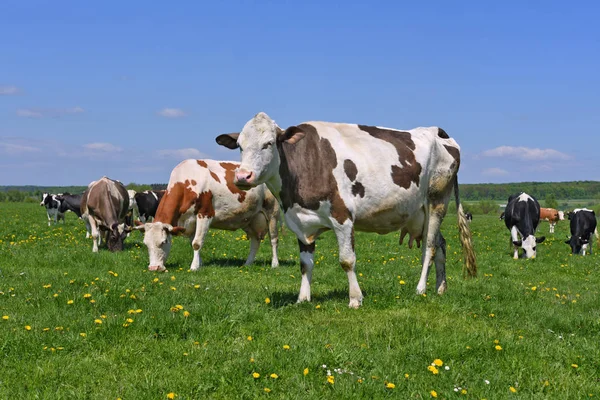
[521, 217]
[552, 216]
[347, 177]
[147, 203]
[201, 195]
[52, 204]
[72, 202]
[583, 227]
[502, 215]
[469, 216]
[105, 203]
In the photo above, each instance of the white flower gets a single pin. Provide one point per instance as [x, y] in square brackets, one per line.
[447, 368]
[487, 382]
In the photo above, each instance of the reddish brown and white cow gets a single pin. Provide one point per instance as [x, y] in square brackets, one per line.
[105, 204]
[552, 216]
[347, 177]
[201, 195]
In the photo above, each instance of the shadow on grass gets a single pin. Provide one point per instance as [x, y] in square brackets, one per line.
[238, 263]
[284, 299]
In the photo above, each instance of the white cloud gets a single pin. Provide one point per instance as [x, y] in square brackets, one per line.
[172, 113]
[181, 154]
[12, 148]
[9, 90]
[103, 147]
[49, 112]
[526, 153]
[494, 172]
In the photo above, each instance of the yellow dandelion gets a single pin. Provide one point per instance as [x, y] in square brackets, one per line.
[27, 327]
[173, 278]
[87, 295]
[402, 283]
[498, 347]
[83, 334]
[249, 338]
[171, 396]
[318, 306]
[129, 320]
[496, 341]
[98, 321]
[464, 391]
[574, 365]
[433, 370]
[534, 288]
[390, 385]
[267, 301]
[186, 314]
[438, 362]
[267, 390]
[406, 376]
[331, 379]
[512, 389]
[179, 306]
[305, 372]
[433, 394]
[70, 302]
[286, 347]
[251, 360]
[274, 376]
[255, 375]
[5, 317]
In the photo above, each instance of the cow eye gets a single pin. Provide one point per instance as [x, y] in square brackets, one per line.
[267, 145]
[534, 248]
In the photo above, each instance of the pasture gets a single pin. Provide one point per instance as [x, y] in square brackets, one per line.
[77, 325]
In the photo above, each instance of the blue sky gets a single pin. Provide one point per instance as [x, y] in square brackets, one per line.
[128, 89]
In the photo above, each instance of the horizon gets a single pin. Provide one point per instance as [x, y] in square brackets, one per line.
[128, 90]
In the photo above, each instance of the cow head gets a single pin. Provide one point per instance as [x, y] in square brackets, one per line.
[577, 244]
[561, 215]
[116, 237]
[157, 238]
[529, 245]
[44, 196]
[258, 143]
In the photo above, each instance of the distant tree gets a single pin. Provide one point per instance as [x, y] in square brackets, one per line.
[487, 206]
[2, 196]
[550, 201]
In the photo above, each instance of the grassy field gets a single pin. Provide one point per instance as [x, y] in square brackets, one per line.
[77, 325]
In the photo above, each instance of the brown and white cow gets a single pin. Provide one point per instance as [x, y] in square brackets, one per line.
[201, 195]
[105, 204]
[347, 177]
[552, 216]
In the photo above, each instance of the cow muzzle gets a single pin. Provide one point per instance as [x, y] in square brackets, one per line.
[244, 179]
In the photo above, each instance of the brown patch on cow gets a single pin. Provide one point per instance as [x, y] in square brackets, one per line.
[358, 189]
[455, 153]
[442, 134]
[409, 169]
[176, 201]
[306, 172]
[204, 206]
[202, 163]
[350, 170]
[229, 177]
[215, 177]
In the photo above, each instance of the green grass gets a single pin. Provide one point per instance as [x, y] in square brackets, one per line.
[392, 338]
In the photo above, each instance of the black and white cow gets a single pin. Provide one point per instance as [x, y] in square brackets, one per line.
[522, 217]
[52, 205]
[469, 216]
[72, 202]
[583, 229]
[147, 203]
[348, 177]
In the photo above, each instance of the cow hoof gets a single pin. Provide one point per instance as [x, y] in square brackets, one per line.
[443, 287]
[274, 265]
[303, 299]
[354, 303]
[421, 290]
[195, 268]
[156, 269]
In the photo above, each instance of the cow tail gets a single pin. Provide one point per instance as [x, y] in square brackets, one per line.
[464, 233]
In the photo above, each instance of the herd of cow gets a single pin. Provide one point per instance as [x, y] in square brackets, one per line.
[321, 176]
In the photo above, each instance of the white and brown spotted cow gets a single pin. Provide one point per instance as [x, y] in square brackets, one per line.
[347, 177]
[552, 216]
[201, 195]
[105, 204]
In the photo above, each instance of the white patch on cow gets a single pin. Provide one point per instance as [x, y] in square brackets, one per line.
[525, 197]
[307, 261]
[529, 246]
[514, 235]
[157, 238]
[561, 215]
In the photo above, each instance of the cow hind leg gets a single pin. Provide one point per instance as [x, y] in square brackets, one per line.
[254, 245]
[440, 264]
[345, 238]
[433, 220]
[307, 252]
[552, 227]
[274, 237]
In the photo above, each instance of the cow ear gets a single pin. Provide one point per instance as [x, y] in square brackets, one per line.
[178, 230]
[292, 135]
[140, 227]
[228, 140]
[540, 240]
[568, 241]
[138, 223]
[517, 242]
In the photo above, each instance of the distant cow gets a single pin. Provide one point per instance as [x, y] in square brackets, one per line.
[52, 205]
[201, 195]
[72, 202]
[105, 203]
[522, 216]
[469, 216]
[583, 228]
[347, 177]
[502, 215]
[552, 216]
[147, 203]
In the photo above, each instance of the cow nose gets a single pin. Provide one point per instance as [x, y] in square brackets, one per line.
[244, 177]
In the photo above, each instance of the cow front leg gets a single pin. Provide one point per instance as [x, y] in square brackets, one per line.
[307, 252]
[440, 264]
[345, 238]
[514, 237]
[202, 226]
[274, 237]
[433, 220]
[254, 245]
[95, 234]
[552, 227]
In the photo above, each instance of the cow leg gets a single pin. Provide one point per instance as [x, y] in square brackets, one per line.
[440, 264]
[88, 228]
[433, 220]
[254, 245]
[274, 236]
[552, 227]
[202, 226]
[95, 234]
[49, 218]
[307, 252]
[514, 236]
[345, 238]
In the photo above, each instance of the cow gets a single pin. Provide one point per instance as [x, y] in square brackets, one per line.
[552, 216]
[201, 195]
[52, 205]
[469, 216]
[583, 227]
[346, 178]
[501, 216]
[105, 204]
[147, 203]
[522, 217]
[72, 202]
